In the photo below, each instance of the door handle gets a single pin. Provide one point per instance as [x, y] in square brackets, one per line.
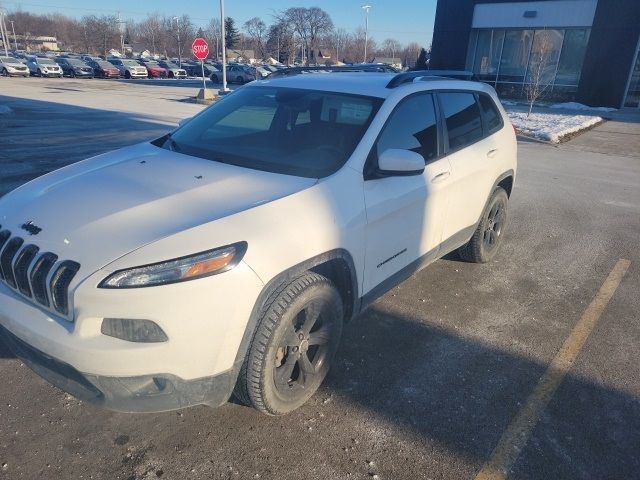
[440, 177]
[492, 153]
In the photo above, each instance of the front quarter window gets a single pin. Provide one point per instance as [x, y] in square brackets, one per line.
[298, 132]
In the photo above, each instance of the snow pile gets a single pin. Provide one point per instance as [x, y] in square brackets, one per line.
[551, 126]
[580, 106]
[4, 110]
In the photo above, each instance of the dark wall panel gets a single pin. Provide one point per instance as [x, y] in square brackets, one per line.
[451, 34]
[612, 44]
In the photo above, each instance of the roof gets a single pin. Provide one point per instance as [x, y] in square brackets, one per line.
[359, 83]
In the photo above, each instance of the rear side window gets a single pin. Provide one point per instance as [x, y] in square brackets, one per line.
[462, 118]
[492, 117]
[412, 126]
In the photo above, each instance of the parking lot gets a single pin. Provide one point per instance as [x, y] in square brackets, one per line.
[427, 380]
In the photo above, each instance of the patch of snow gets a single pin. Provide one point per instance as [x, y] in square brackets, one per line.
[580, 106]
[551, 126]
[4, 110]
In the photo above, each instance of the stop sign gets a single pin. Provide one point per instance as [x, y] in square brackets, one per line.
[200, 48]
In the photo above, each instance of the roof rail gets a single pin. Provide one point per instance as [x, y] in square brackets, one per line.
[408, 77]
[285, 72]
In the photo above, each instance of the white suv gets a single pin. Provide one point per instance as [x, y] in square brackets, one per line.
[226, 256]
[129, 68]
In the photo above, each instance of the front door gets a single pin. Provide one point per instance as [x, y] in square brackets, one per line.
[405, 214]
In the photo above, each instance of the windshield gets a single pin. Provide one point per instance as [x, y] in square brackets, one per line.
[46, 61]
[152, 64]
[9, 60]
[307, 133]
[105, 65]
[130, 63]
[75, 62]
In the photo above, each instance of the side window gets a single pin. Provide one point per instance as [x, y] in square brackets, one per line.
[412, 126]
[462, 118]
[490, 113]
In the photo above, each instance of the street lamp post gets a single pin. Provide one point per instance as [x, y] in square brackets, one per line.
[366, 9]
[224, 48]
[15, 42]
[179, 45]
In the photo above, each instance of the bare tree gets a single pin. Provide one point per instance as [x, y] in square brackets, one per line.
[101, 33]
[150, 30]
[411, 53]
[539, 77]
[338, 40]
[309, 24]
[280, 42]
[213, 33]
[391, 46]
[319, 23]
[257, 31]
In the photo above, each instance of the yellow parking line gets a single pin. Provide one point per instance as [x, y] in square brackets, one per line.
[518, 432]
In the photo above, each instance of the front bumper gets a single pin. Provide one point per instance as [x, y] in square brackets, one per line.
[204, 320]
[142, 394]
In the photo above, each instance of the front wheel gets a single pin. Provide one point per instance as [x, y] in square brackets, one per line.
[5, 72]
[127, 75]
[484, 244]
[293, 346]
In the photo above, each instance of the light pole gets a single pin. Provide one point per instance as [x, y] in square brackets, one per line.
[179, 45]
[224, 48]
[15, 42]
[366, 9]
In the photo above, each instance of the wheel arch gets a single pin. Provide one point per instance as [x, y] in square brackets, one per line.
[337, 265]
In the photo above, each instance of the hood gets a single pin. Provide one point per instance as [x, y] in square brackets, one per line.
[95, 211]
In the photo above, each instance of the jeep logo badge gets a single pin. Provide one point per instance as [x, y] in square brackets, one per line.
[31, 227]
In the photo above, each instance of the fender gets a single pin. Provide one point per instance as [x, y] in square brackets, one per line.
[273, 288]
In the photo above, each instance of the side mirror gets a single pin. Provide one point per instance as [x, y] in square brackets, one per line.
[183, 121]
[398, 162]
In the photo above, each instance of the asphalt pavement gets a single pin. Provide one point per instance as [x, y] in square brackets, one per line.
[428, 379]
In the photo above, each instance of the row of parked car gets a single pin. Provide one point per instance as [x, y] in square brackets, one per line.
[87, 66]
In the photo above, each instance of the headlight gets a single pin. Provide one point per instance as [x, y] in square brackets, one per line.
[181, 269]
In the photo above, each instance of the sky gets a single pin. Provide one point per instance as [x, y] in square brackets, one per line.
[404, 20]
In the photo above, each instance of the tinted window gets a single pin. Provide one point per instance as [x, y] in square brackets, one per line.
[462, 117]
[412, 126]
[284, 130]
[492, 117]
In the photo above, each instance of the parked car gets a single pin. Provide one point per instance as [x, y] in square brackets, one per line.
[154, 69]
[129, 68]
[173, 272]
[74, 67]
[173, 70]
[43, 67]
[195, 69]
[12, 67]
[104, 69]
[236, 73]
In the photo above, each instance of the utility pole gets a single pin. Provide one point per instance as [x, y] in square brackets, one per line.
[224, 49]
[121, 30]
[366, 9]
[15, 42]
[179, 45]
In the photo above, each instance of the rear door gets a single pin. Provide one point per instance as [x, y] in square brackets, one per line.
[405, 214]
[469, 152]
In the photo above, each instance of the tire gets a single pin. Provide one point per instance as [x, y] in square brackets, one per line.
[292, 348]
[487, 238]
[127, 75]
[40, 73]
[239, 79]
[5, 72]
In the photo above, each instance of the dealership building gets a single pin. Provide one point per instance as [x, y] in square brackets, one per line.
[581, 50]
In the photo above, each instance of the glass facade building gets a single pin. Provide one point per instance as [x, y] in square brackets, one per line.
[508, 59]
[586, 51]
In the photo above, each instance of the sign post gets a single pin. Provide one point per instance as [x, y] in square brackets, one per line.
[200, 50]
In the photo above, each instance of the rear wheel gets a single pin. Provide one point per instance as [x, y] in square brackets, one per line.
[484, 244]
[239, 79]
[293, 346]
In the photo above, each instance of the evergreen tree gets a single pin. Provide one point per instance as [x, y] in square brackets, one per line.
[231, 32]
[421, 63]
[200, 33]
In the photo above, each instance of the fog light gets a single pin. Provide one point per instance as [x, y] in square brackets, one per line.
[140, 331]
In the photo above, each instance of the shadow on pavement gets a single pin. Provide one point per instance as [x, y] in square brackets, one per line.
[38, 137]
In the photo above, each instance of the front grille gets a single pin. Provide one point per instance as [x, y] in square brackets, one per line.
[26, 270]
